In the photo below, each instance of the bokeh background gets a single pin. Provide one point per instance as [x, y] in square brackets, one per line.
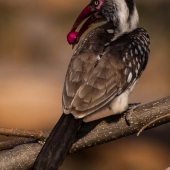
[34, 55]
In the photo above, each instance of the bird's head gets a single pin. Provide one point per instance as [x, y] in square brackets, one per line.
[121, 13]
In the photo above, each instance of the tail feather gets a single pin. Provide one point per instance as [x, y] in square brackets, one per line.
[58, 143]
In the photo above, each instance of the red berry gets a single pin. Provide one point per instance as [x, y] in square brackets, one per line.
[72, 37]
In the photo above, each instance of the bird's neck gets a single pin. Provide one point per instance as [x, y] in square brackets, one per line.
[117, 29]
[125, 21]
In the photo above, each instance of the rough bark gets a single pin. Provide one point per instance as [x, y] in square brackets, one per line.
[90, 134]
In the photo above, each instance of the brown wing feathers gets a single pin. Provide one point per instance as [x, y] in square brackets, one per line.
[89, 86]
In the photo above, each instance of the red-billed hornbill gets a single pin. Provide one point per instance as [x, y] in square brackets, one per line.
[103, 71]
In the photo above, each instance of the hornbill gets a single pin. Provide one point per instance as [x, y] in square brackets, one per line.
[102, 73]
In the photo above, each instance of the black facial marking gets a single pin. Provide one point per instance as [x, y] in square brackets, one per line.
[109, 10]
[130, 5]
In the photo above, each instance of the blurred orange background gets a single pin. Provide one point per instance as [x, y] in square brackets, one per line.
[34, 56]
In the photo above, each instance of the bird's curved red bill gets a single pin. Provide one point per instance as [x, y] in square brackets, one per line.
[92, 15]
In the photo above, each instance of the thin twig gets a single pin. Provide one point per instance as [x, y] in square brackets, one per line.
[24, 133]
[152, 122]
[15, 142]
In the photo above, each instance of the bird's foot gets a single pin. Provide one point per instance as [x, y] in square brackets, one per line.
[130, 111]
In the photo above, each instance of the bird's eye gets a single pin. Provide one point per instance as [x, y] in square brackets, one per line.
[96, 2]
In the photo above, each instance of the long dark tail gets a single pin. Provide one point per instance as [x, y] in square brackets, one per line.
[58, 143]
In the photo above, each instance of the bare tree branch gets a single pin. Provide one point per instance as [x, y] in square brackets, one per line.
[19, 158]
[115, 127]
[91, 134]
[15, 142]
[24, 133]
